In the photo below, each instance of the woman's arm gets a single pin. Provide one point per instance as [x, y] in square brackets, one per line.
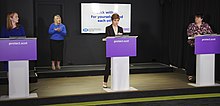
[2, 35]
[22, 31]
[51, 29]
[209, 29]
[190, 31]
[122, 30]
[63, 30]
[107, 33]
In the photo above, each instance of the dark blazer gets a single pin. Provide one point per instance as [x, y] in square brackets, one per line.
[109, 31]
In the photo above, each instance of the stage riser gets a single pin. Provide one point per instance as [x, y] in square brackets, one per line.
[4, 78]
[62, 73]
[94, 70]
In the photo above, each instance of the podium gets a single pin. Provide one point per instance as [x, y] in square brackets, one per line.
[119, 49]
[206, 46]
[18, 52]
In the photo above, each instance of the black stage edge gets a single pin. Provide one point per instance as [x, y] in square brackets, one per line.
[92, 70]
[110, 96]
[33, 77]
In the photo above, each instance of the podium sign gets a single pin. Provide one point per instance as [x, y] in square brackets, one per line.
[11, 50]
[207, 45]
[120, 46]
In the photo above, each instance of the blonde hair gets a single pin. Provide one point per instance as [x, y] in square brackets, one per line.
[9, 22]
[55, 18]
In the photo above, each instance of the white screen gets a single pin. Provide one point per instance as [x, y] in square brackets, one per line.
[96, 16]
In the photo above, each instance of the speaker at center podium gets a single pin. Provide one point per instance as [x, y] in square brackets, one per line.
[119, 49]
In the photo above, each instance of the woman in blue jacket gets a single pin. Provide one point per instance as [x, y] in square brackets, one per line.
[57, 31]
[12, 28]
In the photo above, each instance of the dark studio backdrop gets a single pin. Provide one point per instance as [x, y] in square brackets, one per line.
[160, 24]
[37, 15]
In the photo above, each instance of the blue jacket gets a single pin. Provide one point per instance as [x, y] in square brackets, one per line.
[19, 31]
[55, 35]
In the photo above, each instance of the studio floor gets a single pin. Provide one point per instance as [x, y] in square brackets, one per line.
[167, 88]
[49, 87]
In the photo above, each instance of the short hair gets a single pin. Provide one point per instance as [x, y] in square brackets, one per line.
[200, 15]
[115, 16]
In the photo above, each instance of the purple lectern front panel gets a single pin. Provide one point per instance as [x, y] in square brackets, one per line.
[121, 46]
[12, 50]
[207, 45]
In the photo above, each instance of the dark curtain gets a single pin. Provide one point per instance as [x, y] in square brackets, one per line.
[176, 16]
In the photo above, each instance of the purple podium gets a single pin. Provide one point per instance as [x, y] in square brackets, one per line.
[119, 49]
[18, 52]
[206, 46]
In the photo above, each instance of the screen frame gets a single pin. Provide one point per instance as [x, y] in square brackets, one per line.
[106, 26]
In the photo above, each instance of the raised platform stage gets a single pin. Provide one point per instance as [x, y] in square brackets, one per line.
[87, 70]
[155, 82]
[92, 70]
[153, 88]
[4, 77]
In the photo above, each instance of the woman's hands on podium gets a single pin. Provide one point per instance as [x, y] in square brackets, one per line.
[104, 39]
[120, 33]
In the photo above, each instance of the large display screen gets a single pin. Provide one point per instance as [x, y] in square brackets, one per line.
[96, 16]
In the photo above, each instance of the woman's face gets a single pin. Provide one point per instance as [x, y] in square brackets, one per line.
[115, 22]
[15, 18]
[57, 20]
[198, 20]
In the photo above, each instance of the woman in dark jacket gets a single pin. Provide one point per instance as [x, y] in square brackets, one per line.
[111, 30]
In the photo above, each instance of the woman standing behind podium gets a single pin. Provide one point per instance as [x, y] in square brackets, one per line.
[111, 30]
[195, 29]
[12, 28]
[57, 31]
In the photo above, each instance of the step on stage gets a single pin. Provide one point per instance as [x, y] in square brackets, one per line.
[93, 70]
[86, 70]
